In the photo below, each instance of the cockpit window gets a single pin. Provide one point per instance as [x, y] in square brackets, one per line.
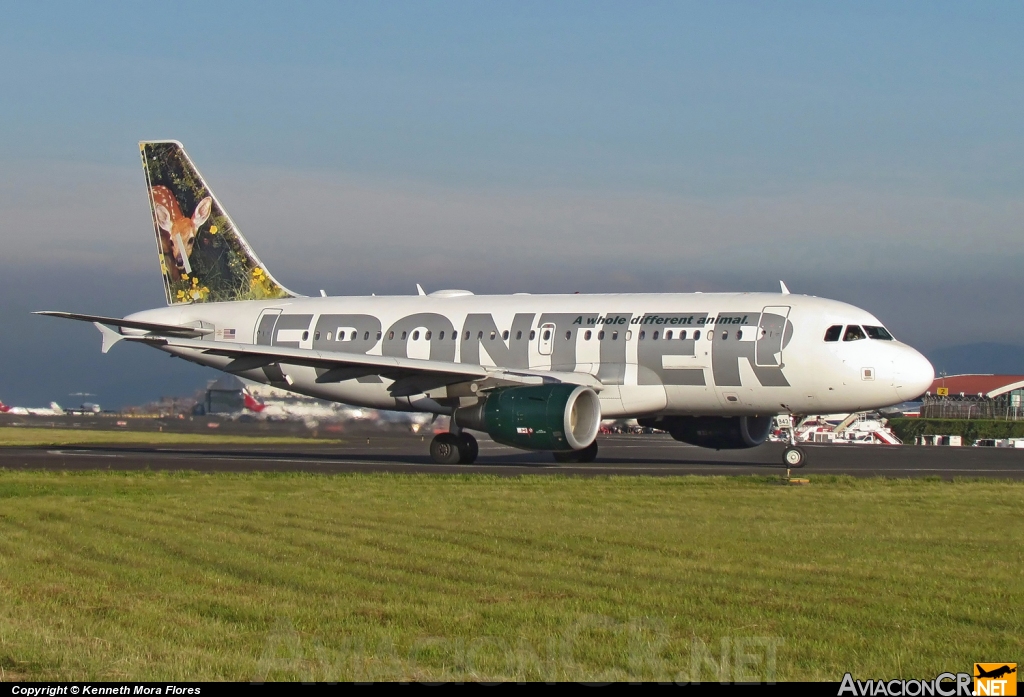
[878, 333]
[834, 332]
[854, 333]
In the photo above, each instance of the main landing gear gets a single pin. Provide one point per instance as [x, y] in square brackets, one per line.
[452, 449]
[587, 454]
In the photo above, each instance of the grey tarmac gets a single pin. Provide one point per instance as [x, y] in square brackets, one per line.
[650, 455]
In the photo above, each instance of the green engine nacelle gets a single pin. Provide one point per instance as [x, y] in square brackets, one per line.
[545, 417]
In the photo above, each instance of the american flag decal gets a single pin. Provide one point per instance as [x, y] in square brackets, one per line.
[229, 333]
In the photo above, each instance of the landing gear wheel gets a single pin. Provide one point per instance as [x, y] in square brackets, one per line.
[469, 449]
[587, 454]
[793, 458]
[446, 449]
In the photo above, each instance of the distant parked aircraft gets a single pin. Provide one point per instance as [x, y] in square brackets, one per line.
[53, 410]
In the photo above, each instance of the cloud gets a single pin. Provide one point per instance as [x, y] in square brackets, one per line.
[921, 262]
[325, 222]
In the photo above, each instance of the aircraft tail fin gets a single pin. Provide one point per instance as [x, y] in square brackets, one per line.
[253, 403]
[203, 256]
[4, 408]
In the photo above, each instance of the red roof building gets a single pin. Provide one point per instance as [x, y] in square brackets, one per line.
[975, 397]
[990, 386]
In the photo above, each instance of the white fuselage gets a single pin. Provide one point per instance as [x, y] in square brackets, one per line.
[757, 353]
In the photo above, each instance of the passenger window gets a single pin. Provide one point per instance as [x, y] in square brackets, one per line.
[467, 336]
[682, 335]
[853, 333]
[329, 335]
[479, 336]
[878, 333]
[600, 336]
[533, 334]
[391, 335]
[739, 334]
[833, 332]
[378, 336]
[404, 334]
[519, 335]
[696, 335]
[547, 334]
[504, 335]
[586, 335]
[615, 336]
[440, 337]
[316, 336]
[668, 335]
[427, 336]
[568, 335]
[366, 336]
[493, 334]
[725, 335]
[629, 335]
[643, 335]
[416, 335]
[654, 336]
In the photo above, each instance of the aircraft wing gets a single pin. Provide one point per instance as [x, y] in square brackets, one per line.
[411, 375]
[167, 329]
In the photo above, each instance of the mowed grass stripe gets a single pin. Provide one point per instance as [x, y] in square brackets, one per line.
[20, 436]
[112, 575]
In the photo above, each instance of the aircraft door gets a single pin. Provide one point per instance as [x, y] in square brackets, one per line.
[770, 335]
[265, 327]
[545, 339]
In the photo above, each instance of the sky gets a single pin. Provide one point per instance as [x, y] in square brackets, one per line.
[867, 152]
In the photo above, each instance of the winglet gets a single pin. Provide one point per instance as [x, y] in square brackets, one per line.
[785, 290]
[110, 337]
[419, 290]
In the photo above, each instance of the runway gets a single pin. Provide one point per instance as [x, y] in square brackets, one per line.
[649, 455]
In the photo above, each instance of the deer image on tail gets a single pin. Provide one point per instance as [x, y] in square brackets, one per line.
[178, 233]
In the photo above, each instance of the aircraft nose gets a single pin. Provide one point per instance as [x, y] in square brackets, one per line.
[914, 374]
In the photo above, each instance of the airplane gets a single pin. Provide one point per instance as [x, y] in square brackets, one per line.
[53, 410]
[296, 408]
[994, 673]
[536, 372]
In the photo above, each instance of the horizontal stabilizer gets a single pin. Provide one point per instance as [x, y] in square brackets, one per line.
[152, 327]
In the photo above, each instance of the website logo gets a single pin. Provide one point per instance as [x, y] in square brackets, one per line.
[995, 679]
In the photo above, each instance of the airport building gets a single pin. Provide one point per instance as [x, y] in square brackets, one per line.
[975, 397]
[224, 396]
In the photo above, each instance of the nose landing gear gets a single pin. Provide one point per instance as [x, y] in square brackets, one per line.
[793, 457]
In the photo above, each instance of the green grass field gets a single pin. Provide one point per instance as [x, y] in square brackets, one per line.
[11, 436]
[152, 576]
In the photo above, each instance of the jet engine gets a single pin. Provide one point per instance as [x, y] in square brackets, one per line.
[546, 417]
[718, 432]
